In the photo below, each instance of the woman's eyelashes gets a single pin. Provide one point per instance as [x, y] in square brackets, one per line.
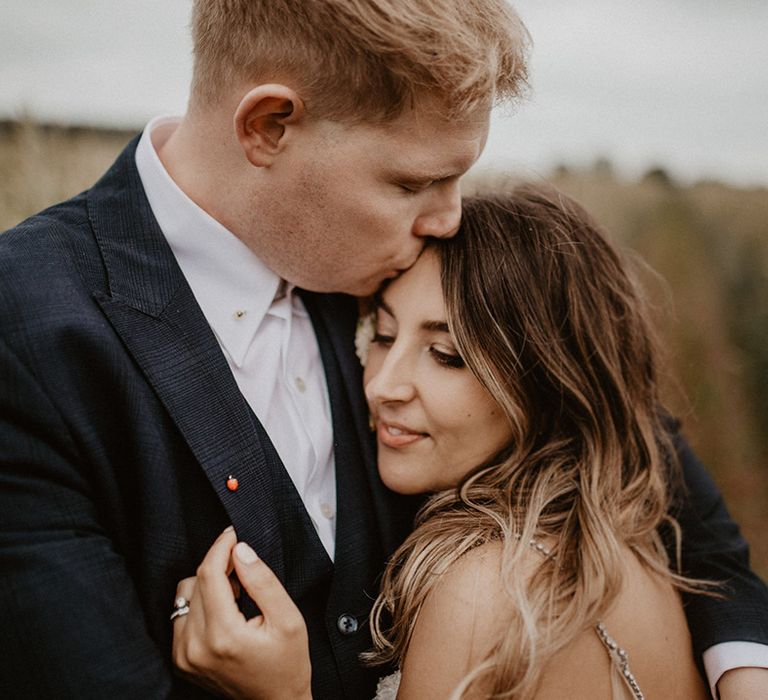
[447, 359]
[382, 339]
[444, 357]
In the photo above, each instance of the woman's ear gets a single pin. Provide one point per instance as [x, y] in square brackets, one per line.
[261, 119]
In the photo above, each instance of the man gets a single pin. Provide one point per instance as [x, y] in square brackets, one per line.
[175, 360]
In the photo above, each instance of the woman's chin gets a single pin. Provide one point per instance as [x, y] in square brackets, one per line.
[403, 484]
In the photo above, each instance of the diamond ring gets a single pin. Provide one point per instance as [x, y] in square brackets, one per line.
[180, 607]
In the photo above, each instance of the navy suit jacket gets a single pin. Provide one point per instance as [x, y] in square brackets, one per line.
[120, 424]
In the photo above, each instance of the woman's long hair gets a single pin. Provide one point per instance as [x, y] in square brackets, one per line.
[546, 316]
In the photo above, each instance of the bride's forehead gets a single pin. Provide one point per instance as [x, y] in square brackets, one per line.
[417, 291]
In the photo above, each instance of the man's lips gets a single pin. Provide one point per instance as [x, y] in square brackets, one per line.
[396, 272]
[394, 435]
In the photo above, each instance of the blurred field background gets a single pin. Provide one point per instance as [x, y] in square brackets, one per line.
[708, 242]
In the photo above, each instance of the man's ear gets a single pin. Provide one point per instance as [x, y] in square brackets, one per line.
[261, 119]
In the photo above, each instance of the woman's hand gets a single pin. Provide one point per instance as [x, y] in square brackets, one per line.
[266, 657]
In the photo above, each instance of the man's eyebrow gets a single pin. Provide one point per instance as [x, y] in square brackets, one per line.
[422, 177]
[435, 326]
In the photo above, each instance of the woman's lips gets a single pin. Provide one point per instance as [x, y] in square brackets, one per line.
[397, 436]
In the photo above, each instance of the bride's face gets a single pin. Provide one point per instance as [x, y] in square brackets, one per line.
[435, 421]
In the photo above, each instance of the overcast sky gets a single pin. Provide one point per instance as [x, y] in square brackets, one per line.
[678, 83]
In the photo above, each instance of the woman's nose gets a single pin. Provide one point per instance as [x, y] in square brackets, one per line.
[391, 381]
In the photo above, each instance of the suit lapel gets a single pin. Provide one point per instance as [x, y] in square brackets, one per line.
[152, 308]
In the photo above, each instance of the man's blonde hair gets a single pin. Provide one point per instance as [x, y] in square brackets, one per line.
[362, 60]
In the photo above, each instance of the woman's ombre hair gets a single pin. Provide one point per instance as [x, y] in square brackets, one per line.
[545, 314]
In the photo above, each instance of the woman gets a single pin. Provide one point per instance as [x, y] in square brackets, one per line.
[512, 375]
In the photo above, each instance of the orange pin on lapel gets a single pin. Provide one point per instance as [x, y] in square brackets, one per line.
[232, 483]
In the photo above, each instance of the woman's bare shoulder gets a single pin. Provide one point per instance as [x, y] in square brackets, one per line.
[473, 593]
[467, 597]
[458, 625]
[648, 621]
[469, 608]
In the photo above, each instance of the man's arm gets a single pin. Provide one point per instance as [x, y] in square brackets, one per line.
[72, 625]
[743, 684]
[714, 549]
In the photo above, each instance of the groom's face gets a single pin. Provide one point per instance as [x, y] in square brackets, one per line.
[353, 205]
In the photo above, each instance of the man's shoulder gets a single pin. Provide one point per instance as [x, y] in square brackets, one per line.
[43, 234]
[47, 262]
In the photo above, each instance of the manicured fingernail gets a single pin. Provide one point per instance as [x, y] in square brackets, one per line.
[230, 528]
[245, 554]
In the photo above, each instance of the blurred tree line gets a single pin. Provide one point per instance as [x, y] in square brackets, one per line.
[708, 243]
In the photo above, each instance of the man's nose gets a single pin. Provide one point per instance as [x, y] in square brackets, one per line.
[442, 214]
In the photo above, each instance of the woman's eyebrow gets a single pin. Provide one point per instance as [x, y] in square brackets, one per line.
[430, 326]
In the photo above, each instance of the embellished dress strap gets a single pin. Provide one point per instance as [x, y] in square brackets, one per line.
[624, 685]
[623, 682]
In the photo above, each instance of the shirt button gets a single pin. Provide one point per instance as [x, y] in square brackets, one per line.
[327, 510]
[300, 385]
[347, 624]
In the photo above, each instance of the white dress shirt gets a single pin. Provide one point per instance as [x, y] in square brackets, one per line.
[731, 655]
[272, 351]
[262, 327]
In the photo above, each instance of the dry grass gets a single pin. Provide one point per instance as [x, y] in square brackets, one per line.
[709, 242]
[42, 165]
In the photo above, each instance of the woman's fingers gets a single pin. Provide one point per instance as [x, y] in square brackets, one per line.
[213, 585]
[215, 645]
[205, 631]
[259, 581]
[186, 588]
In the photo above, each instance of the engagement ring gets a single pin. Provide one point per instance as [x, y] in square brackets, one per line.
[180, 607]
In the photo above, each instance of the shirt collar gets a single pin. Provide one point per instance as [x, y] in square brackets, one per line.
[234, 288]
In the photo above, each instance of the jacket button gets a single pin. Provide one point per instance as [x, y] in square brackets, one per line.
[347, 624]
